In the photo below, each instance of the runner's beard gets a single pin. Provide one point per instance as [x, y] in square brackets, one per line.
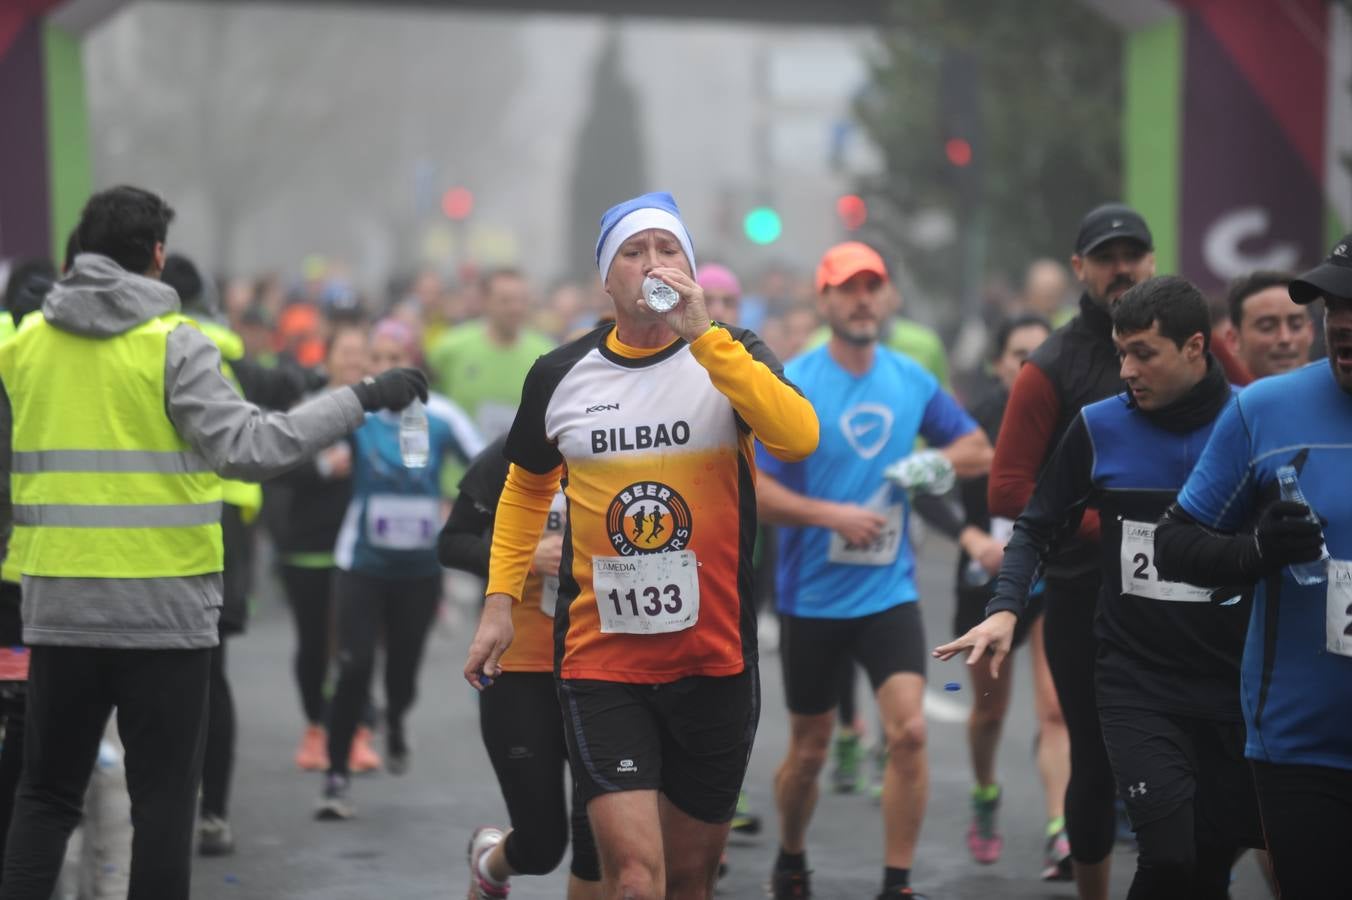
[857, 338]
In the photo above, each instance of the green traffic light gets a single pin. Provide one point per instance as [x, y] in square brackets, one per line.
[762, 225]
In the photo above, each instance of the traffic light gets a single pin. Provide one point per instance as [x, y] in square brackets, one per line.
[762, 225]
[852, 211]
[457, 203]
[959, 152]
[960, 123]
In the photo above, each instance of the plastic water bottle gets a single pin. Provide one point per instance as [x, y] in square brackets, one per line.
[413, 441]
[1316, 571]
[659, 295]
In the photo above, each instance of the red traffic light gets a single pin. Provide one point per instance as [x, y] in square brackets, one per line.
[958, 151]
[853, 211]
[457, 203]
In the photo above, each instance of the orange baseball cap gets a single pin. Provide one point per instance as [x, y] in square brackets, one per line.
[843, 261]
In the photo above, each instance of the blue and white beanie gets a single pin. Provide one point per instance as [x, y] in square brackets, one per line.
[624, 220]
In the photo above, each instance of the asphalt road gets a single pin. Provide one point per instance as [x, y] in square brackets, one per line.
[408, 839]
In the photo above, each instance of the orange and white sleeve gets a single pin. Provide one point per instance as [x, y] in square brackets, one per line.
[780, 416]
[523, 510]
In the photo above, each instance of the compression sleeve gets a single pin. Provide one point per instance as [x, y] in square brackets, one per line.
[523, 510]
[465, 539]
[1185, 550]
[777, 414]
[1025, 440]
[1054, 510]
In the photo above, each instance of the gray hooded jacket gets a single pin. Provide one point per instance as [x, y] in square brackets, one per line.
[235, 438]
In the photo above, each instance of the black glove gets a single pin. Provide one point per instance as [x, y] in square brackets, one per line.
[391, 389]
[1287, 534]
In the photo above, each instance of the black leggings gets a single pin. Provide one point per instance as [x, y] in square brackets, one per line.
[309, 592]
[219, 762]
[310, 596]
[1173, 865]
[401, 611]
[522, 729]
[1068, 634]
[1307, 818]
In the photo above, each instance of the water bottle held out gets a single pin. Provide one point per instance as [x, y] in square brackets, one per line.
[1316, 571]
[413, 439]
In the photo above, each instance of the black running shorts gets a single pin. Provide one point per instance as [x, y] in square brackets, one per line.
[690, 739]
[1161, 760]
[812, 652]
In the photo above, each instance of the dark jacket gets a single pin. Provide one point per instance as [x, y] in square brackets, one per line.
[1076, 366]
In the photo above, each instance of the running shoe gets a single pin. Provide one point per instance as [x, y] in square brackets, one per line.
[1056, 864]
[313, 755]
[909, 893]
[362, 757]
[790, 885]
[484, 839]
[847, 750]
[744, 821]
[214, 837]
[983, 837]
[335, 804]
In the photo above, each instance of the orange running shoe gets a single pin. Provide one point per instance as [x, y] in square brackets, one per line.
[313, 755]
[363, 757]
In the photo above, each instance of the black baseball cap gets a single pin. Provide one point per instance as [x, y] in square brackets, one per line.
[1110, 222]
[1331, 278]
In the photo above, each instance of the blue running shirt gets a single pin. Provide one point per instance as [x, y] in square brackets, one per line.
[868, 422]
[1296, 684]
[391, 526]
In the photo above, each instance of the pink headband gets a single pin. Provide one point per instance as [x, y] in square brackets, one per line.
[398, 332]
[713, 277]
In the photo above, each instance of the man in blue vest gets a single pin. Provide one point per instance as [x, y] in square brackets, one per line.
[1166, 675]
[116, 426]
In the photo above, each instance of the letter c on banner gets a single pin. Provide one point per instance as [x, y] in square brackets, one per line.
[1221, 245]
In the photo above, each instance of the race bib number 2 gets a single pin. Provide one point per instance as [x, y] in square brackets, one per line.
[654, 593]
[1139, 577]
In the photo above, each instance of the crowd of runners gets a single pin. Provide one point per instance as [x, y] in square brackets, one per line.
[1143, 484]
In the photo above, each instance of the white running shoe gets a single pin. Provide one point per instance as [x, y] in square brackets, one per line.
[484, 839]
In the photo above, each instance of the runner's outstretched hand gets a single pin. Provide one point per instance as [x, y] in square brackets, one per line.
[995, 634]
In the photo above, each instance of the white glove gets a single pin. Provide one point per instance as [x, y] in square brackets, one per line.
[924, 472]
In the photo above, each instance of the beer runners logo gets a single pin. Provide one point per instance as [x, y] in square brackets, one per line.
[648, 517]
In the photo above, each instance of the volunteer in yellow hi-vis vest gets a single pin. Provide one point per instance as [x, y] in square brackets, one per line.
[118, 424]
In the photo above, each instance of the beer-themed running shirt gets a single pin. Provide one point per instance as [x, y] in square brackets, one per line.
[654, 449]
